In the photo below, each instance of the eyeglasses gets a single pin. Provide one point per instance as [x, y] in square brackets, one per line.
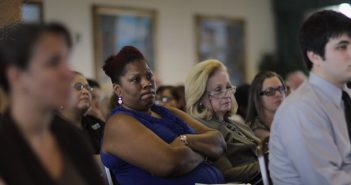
[221, 93]
[79, 86]
[163, 99]
[271, 91]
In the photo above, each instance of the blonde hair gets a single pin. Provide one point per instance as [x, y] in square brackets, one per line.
[195, 88]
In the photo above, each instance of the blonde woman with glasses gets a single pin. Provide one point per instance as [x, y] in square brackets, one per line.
[210, 99]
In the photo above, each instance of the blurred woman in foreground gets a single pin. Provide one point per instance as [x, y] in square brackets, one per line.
[37, 146]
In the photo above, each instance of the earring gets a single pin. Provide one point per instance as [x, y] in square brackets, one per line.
[119, 100]
[201, 106]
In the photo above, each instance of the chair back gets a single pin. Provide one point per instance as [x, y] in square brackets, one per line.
[108, 176]
[105, 172]
[262, 153]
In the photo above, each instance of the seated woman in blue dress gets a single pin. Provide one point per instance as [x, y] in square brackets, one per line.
[148, 144]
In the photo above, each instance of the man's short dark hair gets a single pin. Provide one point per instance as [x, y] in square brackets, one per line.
[316, 31]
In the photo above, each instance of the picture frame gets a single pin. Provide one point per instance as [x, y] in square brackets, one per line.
[224, 39]
[116, 27]
[32, 12]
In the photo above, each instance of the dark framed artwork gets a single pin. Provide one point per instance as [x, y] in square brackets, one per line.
[223, 39]
[116, 27]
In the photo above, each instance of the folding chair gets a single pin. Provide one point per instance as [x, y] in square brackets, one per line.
[262, 153]
[108, 176]
[106, 173]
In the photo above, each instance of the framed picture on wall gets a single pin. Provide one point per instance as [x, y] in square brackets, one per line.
[223, 39]
[32, 11]
[116, 27]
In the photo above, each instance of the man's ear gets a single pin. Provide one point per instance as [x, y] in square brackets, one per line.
[316, 59]
[117, 89]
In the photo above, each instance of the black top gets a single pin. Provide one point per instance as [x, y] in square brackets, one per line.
[70, 174]
[19, 165]
[94, 129]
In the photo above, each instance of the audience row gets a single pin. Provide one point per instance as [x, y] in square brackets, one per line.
[56, 120]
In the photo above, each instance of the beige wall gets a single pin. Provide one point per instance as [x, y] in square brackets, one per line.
[175, 40]
[9, 11]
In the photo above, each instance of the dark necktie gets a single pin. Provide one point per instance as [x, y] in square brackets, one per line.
[347, 107]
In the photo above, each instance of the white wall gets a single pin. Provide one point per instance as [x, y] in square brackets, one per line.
[175, 39]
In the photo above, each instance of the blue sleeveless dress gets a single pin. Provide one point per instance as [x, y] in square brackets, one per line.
[167, 128]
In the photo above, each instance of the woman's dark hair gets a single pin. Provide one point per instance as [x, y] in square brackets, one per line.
[114, 66]
[180, 89]
[93, 83]
[17, 42]
[172, 89]
[316, 31]
[255, 107]
[242, 98]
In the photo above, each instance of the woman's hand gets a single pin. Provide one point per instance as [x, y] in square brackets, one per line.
[208, 142]
[177, 142]
[261, 133]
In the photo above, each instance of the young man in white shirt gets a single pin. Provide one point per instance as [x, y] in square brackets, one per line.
[310, 141]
